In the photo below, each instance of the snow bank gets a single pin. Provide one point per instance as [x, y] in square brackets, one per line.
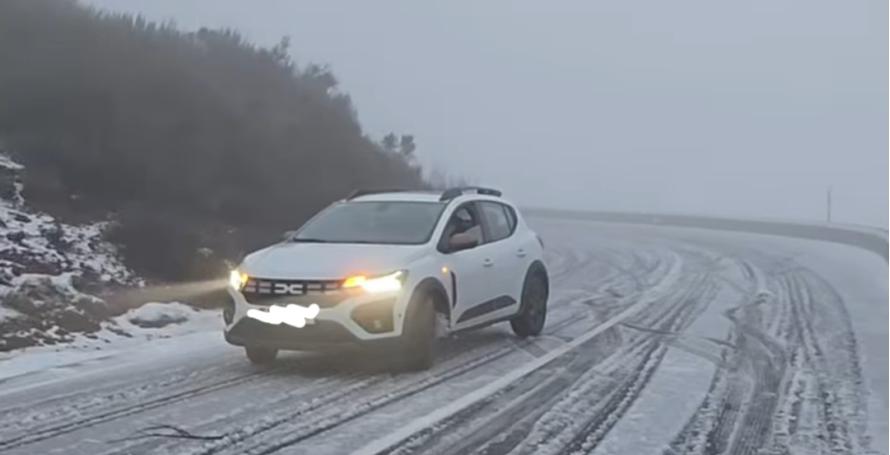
[118, 344]
[156, 315]
[7, 163]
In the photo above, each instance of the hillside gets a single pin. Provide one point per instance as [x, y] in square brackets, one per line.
[193, 146]
[51, 272]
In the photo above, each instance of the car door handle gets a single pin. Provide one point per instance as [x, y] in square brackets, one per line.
[521, 253]
[487, 263]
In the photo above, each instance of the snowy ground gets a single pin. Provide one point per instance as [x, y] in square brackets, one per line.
[659, 340]
[153, 327]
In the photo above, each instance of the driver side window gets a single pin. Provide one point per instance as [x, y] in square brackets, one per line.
[464, 220]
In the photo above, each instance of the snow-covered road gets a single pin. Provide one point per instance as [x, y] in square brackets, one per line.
[659, 341]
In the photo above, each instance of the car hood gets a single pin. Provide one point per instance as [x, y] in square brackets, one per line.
[327, 261]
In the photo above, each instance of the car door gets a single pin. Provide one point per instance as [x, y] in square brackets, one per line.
[509, 258]
[470, 269]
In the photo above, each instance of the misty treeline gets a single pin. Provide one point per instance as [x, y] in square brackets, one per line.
[198, 144]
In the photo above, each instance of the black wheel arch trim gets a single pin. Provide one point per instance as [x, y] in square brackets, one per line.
[433, 286]
[538, 265]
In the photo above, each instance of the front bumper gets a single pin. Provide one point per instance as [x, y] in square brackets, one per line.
[250, 332]
[344, 318]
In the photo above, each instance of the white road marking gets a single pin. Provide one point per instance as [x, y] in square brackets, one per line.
[404, 432]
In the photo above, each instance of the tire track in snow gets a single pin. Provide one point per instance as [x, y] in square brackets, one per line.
[520, 382]
[624, 394]
[63, 414]
[594, 269]
[288, 433]
[793, 354]
[587, 411]
[66, 406]
[33, 435]
[236, 439]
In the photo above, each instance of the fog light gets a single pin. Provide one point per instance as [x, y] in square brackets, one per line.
[374, 317]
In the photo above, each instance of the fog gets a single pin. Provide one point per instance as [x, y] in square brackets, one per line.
[747, 108]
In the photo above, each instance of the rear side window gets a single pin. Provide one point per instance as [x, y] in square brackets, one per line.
[500, 218]
[511, 217]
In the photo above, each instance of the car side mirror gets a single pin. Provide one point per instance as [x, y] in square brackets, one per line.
[462, 241]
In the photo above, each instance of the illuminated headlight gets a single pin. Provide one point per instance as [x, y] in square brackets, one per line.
[385, 283]
[237, 279]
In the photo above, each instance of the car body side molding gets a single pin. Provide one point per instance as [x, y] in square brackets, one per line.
[486, 307]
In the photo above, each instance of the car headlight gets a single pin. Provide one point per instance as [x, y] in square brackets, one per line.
[384, 283]
[237, 279]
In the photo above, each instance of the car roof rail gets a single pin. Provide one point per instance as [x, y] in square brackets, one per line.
[452, 193]
[365, 191]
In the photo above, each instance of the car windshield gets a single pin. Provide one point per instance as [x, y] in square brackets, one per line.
[389, 222]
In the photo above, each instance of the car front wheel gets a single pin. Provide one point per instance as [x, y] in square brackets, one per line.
[261, 356]
[418, 343]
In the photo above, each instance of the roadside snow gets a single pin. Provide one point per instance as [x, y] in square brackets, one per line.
[156, 320]
[8, 313]
[8, 163]
[157, 315]
[119, 338]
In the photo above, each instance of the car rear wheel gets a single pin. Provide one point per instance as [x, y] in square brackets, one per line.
[261, 356]
[418, 343]
[533, 313]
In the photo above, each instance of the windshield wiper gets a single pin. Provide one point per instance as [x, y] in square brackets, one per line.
[308, 240]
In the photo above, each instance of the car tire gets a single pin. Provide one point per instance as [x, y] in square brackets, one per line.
[261, 356]
[533, 307]
[418, 341]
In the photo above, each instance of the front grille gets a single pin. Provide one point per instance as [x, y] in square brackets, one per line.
[290, 287]
[260, 291]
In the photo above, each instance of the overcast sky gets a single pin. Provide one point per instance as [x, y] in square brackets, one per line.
[747, 107]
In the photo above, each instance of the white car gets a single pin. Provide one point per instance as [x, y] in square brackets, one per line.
[393, 269]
